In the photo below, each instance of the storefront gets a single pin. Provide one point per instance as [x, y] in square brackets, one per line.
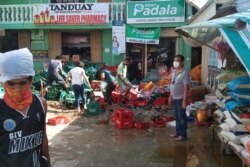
[227, 42]
[151, 55]
[59, 28]
[233, 30]
[150, 38]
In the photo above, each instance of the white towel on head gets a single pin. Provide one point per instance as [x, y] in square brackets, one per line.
[16, 64]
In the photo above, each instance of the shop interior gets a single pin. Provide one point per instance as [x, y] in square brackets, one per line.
[9, 41]
[156, 55]
[195, 56]
[76, 43]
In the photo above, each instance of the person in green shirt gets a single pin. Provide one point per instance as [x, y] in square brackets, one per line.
[121, 77]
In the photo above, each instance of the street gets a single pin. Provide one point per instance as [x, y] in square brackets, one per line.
[84, 143]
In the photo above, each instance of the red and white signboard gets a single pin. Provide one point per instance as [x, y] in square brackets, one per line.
[76, 13]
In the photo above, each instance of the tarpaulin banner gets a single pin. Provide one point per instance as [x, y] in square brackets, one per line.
[118, 39]
[75, 13]
[165, 11]
[142, 35]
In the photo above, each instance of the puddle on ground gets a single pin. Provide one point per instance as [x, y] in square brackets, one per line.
[191, 154]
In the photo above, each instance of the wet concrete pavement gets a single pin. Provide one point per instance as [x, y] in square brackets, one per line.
[84, 143]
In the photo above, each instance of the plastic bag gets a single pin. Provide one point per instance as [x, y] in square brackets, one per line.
[240, 85]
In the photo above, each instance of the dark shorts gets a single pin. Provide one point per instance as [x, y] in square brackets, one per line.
[55, 77]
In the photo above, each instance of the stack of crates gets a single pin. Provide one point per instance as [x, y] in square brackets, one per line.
[53, 93]
[69, 99]
[62, 96]
[91, 72]
[113, 69]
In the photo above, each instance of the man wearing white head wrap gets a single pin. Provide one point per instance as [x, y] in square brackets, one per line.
[16, 64]
[21, 114]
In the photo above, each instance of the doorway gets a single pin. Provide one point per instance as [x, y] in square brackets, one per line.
[76, 43]
[196, 56]
[147, 58]
[136, 53]
[9, 41]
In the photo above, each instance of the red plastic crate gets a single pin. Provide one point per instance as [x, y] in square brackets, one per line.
[131, 103]
[159, 123]
[141, 103]
[160, 101]
[167, 118]
[101, 101]
[124, 119]
[112, 69]
[117, 89]
[116, 98]
[58, 120]
[96, 85]
[132, 94]
[102, 106]
[142, 125]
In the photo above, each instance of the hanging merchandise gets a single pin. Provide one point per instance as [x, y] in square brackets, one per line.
[223, 48]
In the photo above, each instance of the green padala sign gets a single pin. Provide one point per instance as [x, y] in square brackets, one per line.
[155, 11]
[142, 35]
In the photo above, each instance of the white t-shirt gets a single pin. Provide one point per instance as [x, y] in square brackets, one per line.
[77, 75]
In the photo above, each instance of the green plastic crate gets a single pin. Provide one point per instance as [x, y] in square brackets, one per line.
[51, 96]
[53, 92]
[69, 99]
[93, 108]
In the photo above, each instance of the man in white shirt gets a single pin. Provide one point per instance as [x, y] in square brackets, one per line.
[78, 77]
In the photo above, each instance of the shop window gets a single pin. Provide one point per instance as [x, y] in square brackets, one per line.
[157, 55]
[162, 54]
[76, 44]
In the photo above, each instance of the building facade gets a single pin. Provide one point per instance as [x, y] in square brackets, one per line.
[87, 27]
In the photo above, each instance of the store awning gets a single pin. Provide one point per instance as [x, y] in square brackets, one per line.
[234, 28]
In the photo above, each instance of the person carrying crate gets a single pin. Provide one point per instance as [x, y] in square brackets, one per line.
[107, 76]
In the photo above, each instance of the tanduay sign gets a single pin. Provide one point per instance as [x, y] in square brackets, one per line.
[70, 7]
[156, 11]
[68, 14]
